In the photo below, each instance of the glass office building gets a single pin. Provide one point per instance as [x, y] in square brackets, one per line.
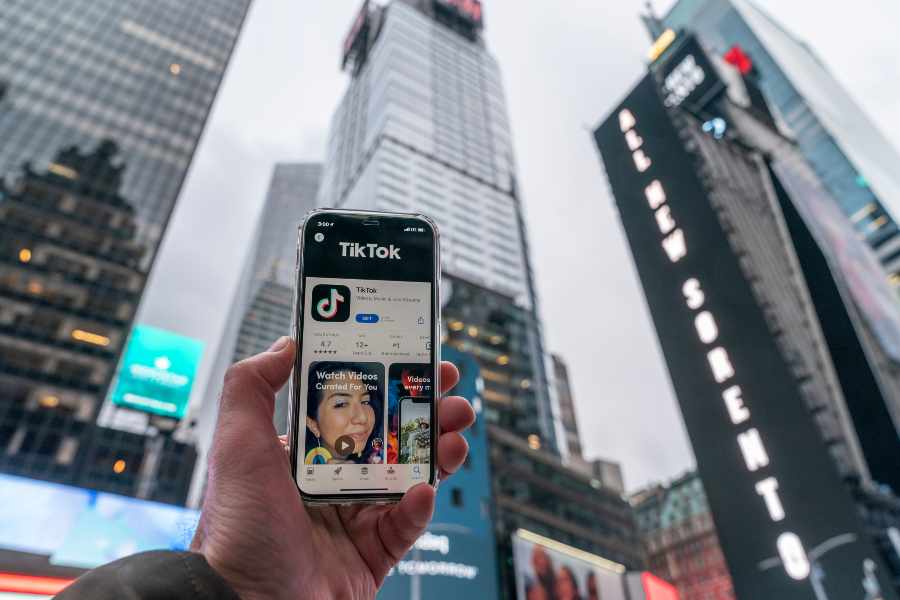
[423, 127]
[102, 103]
[850, 154]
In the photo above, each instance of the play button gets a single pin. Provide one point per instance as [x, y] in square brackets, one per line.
[344, 446]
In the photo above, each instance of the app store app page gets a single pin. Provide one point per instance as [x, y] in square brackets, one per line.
[366, 386]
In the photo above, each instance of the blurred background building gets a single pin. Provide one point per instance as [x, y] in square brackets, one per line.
[750, 268]
[262, 307]
[101, 107]
[680, 540]
[852, 156]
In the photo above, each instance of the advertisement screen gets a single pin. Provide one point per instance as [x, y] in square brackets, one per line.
[786, 522]
[688, 77]
[546, 569]
[469, 10]
[48, 528]
[157, 372]
[455, 559]
[848, 256]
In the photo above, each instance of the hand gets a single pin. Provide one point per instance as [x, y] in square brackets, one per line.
[256, 532]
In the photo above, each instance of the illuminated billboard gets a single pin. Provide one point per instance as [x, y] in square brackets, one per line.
[785, 519]
[546, 568]
[456, 557]
[47, 529]
[469, 10]
[157, 372]
[650, 587]
[687, 76]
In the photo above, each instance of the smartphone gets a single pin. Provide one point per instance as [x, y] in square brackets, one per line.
[366, 323]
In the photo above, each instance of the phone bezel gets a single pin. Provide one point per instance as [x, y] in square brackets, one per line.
[294, 426]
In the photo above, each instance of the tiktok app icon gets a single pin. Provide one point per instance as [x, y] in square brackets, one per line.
[331, 303]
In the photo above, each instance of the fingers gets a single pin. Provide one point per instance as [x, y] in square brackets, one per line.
[455, 413]
[251, 384]
[449, 376]
[452, 451]
[401, 525]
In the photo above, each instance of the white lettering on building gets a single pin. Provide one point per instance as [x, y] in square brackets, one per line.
[685, 78]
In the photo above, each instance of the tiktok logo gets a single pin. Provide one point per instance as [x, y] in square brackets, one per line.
[331, 303]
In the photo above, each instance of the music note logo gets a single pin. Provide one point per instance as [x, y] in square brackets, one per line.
[331, 303]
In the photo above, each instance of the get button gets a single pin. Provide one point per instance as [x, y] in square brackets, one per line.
[366, 318]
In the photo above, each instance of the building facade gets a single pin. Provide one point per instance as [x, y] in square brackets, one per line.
[423, 127]
[771, 313]
[536, 491]
[101, 107]
[850, 154]
[680, 539]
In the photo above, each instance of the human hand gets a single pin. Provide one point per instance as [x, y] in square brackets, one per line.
[255, 530]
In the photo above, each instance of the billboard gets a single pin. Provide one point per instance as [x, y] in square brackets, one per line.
[49, 532]
[469, 10]
[456, 557]
[546, 569]
[157, 372]
[688, 77]
[848, 256]
[787, 525]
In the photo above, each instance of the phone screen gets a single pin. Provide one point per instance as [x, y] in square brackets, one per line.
[365, 370]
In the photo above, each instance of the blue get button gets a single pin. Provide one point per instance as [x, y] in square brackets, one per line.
[366, 318]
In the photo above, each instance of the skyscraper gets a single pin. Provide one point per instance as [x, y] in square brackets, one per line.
[778, 328]
[850, 154]
[101, 107]
[262, 308]
[423, 128]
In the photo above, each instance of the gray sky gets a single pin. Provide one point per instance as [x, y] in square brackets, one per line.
[565, 65]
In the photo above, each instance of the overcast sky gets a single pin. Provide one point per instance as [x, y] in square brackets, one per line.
[565, 64]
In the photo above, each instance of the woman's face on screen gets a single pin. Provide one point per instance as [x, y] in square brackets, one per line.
[346, 412]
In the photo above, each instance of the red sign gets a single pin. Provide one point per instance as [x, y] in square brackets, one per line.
[471, 9]
[658, 589]
[737, 57]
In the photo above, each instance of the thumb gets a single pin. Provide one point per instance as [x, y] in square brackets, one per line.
[251, 384]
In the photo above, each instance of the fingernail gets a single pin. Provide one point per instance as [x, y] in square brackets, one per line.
[280, 344]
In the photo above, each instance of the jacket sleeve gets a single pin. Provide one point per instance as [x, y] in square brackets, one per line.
[153, 575]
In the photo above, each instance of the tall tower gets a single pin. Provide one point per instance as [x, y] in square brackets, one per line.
[102, 103]
[423, 128]
[262, 308]
[849, 153]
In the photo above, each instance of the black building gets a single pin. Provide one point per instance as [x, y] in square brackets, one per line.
[778, 329]
[102, 103]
